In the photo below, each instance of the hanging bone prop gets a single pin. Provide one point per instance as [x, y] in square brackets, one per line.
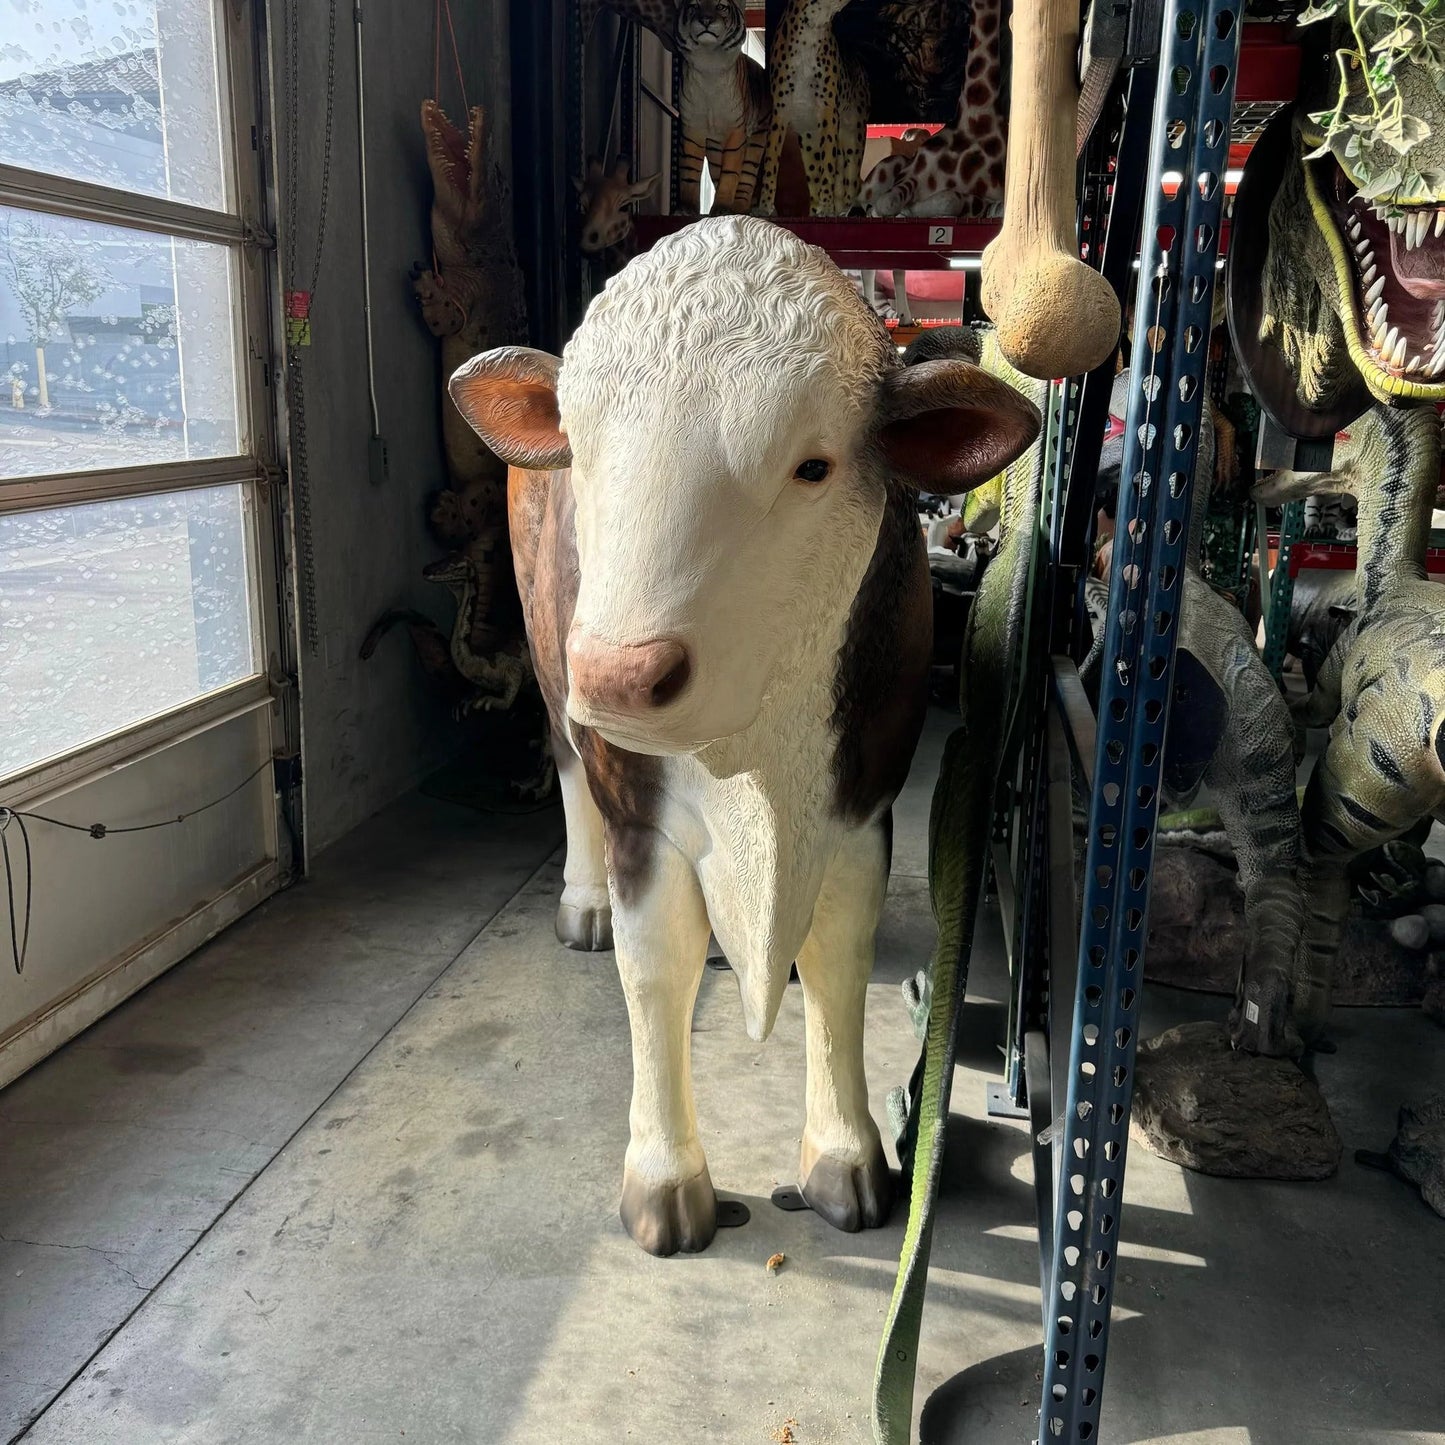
[1055, 315]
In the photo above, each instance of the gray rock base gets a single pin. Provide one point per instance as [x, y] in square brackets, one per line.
[1200, 1103]
[1417, 1152]
[1197, 938]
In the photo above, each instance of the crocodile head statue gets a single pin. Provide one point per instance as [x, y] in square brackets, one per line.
[1354, 276]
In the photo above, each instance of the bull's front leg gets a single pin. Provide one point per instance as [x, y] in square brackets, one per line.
[843, 1172]
[661, 929]
[584, 915]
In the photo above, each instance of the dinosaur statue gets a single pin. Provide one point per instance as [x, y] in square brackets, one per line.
[470, 300]
[1235, 736]
[1383, 685]
[1353, 279]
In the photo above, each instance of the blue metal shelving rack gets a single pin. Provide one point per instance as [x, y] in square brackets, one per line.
[1078, 984]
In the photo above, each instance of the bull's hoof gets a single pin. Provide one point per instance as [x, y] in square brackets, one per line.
[669, 1218]
[849, 1194]
[587, 927]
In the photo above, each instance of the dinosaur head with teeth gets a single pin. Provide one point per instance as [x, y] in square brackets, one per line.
[1352, 281]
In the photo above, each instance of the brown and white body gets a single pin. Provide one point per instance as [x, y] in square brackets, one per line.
[726, 106]
[735, 704]
[820, 103]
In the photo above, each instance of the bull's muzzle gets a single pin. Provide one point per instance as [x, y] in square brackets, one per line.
[627, 679]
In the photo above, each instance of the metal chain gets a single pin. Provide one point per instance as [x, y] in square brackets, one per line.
[326, 143]
[305, 554]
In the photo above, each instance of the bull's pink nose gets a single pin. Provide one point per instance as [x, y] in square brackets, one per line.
[627, 678]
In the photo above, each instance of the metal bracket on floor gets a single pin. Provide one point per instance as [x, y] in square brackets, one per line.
[998, 1099]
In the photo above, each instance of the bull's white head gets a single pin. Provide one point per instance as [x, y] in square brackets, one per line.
[734, 416]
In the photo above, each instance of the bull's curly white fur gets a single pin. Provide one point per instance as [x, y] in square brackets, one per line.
[698, 292]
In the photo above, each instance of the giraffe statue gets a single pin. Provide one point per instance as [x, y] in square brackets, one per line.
[659, 16]
[960, 171]
[820, 96]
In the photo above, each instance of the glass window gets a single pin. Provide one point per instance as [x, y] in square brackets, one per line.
[125, 93]
[113, 612]
[117, 347]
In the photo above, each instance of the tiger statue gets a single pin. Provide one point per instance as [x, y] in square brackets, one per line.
[925, 40]
[1382, 688]
[727, 106]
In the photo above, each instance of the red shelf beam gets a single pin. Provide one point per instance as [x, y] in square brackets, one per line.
[857, 241]
[1340, 557]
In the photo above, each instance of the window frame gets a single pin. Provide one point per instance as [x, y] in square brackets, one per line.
[251, 246]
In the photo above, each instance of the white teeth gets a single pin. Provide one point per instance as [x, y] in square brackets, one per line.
[1373, 294]
[1354, 228]
[1439, 222]
[1369, 275]
[1438, 365]
[1391, 337]
[1414, 363]
[1397, 356]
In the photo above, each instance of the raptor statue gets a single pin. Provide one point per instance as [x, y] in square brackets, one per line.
[1382, 688]
[1233, 734]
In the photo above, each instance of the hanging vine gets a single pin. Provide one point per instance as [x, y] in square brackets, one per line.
[1383, 38]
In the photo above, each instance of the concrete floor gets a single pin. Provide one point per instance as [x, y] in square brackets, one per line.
[350, 1175]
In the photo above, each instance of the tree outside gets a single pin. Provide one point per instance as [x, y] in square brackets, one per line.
[49, 273]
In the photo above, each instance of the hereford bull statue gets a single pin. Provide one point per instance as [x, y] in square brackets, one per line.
[727, 598]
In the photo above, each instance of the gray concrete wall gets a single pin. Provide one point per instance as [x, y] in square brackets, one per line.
[370, 729]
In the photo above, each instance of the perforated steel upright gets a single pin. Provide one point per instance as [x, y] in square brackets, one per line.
[1199, 52]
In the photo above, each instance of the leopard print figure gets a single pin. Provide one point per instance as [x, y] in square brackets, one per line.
[727, 106]
[820, 96]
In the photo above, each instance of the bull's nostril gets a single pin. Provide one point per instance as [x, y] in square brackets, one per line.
[672, 682]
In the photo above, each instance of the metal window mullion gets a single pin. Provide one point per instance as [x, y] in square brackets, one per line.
[63, 489]
[1172, 311]
[86, 201]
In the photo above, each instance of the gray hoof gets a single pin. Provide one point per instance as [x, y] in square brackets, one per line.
[669, 1218]
[587, 929]
[850, 1196]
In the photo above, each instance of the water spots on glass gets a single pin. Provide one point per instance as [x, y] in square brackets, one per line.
[117, 347]
[112, 612]
[123, 93]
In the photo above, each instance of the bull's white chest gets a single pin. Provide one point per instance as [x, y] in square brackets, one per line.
[756, 818]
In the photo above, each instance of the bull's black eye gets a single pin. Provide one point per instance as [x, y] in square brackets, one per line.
[815, 469]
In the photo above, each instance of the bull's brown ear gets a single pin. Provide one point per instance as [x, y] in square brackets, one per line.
[509, 398]
[948, 426]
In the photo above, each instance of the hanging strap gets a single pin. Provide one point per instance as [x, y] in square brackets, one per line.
[958, 831]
